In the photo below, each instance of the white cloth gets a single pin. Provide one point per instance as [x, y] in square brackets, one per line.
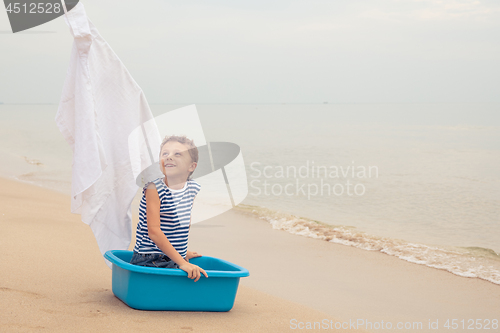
[100, 106]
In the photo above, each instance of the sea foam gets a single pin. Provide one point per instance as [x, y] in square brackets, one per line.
[472, 262]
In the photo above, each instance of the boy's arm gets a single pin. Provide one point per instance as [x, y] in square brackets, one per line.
[158, 237]
[154, 231]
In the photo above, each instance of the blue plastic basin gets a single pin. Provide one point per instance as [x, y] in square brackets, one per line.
[151, 288]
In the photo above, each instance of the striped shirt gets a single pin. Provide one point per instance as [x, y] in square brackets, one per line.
[175, 217]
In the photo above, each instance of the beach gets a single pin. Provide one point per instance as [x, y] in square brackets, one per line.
[56, 280]
[364, 195]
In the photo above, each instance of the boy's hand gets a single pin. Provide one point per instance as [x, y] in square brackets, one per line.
[193, 271]
[190, 255]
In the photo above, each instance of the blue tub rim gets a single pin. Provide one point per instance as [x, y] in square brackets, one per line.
[111, 256]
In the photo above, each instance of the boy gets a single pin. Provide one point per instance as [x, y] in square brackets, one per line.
[165, 210]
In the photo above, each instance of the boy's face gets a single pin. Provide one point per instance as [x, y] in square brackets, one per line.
[175, 161]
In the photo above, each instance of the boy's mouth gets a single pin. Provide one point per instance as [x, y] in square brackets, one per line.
[169, 165]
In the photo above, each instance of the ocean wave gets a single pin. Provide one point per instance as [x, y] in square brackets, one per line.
[473, 262]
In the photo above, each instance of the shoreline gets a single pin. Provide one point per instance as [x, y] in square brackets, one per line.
[472, 261]
[291, 277]
[344, 281]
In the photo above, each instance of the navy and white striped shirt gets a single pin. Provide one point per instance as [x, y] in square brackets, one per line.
[175, 217]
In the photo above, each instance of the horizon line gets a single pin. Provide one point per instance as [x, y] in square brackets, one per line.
[277, 103]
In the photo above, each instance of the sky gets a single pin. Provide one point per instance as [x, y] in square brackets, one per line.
[314, 51]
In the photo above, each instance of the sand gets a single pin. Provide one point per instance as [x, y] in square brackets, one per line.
[53, 278]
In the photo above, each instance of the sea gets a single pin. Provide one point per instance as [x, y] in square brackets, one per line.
[420, 182]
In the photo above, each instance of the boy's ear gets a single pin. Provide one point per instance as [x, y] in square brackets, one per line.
[193, 166]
